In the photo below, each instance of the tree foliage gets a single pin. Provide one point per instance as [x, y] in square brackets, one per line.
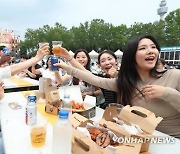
[99, 35]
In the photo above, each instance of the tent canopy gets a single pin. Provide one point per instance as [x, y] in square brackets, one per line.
[118, 53]
[93, 53]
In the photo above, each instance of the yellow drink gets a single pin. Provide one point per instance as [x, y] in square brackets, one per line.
[38, 136]
[57, 51]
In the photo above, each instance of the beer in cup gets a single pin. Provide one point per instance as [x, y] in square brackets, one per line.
[38, 133]
[56, 50]
[118, 106]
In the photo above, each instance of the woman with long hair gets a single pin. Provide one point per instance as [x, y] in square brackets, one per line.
[82, 56]
[8, 71]
[55, 76]
[140, 83]
[108, 64]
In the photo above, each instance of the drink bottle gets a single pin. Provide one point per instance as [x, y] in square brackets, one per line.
[31, 110]
[62, 134]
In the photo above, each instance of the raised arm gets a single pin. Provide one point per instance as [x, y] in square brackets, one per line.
[65, 54]
[87, 76]
[32, 75]
[42, 51]
[61, 79]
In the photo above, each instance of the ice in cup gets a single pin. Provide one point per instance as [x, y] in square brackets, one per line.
[118, 106]
[38, 133]
[56, 50]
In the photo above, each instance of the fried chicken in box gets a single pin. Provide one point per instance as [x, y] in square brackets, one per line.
[77, 106]
[102, 136]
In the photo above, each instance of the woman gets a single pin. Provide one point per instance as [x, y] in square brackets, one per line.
[139, 83]
[46, 72]
[8, 71]
[108, 63]
[82, 61]
[82, 56]
[26, 72]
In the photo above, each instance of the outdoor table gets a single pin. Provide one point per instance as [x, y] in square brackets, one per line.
[16, 134]
[16, 83]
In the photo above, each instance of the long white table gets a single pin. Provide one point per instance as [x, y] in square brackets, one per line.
[16, 83]
[16, 133]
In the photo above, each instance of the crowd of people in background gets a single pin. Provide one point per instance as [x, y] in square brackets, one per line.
[106, 66]
[142, 78]
[8, 69]
[140, 82]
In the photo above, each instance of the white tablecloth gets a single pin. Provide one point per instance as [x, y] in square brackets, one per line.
[17, 137]
[8, 83]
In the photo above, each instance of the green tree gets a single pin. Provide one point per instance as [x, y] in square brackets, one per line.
[99, 35]
[79, 37]
[172, 28]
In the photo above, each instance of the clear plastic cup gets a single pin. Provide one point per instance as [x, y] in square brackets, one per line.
[56, 47]
[38, 133]
[43, 43]
[118, 106]
[56, 43]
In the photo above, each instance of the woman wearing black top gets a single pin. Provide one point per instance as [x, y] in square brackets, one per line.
[107, 61]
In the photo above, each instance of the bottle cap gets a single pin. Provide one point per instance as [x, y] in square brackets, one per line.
[66, 96]
[63, 114]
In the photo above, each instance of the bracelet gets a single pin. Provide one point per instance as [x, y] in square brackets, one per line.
[70, 59]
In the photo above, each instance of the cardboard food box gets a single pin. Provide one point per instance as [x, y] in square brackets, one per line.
[89, 104]
[142, 117]
[44, 86]
[74, 93]
[53, 102]
[82, 144]
[53, 98]
[52, 109]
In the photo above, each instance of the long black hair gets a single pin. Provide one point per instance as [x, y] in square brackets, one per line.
[128, 75]
[75, 80]
[47, 65]
[99, 61]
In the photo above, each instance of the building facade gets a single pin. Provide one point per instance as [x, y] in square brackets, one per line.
[171, 55]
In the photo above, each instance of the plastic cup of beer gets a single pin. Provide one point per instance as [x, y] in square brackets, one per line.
[38, 133]
[56, 47]
[118, 106]
[43, 43]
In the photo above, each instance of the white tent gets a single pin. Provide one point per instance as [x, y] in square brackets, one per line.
[93, 53]
[118, 53]
[71, 53]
